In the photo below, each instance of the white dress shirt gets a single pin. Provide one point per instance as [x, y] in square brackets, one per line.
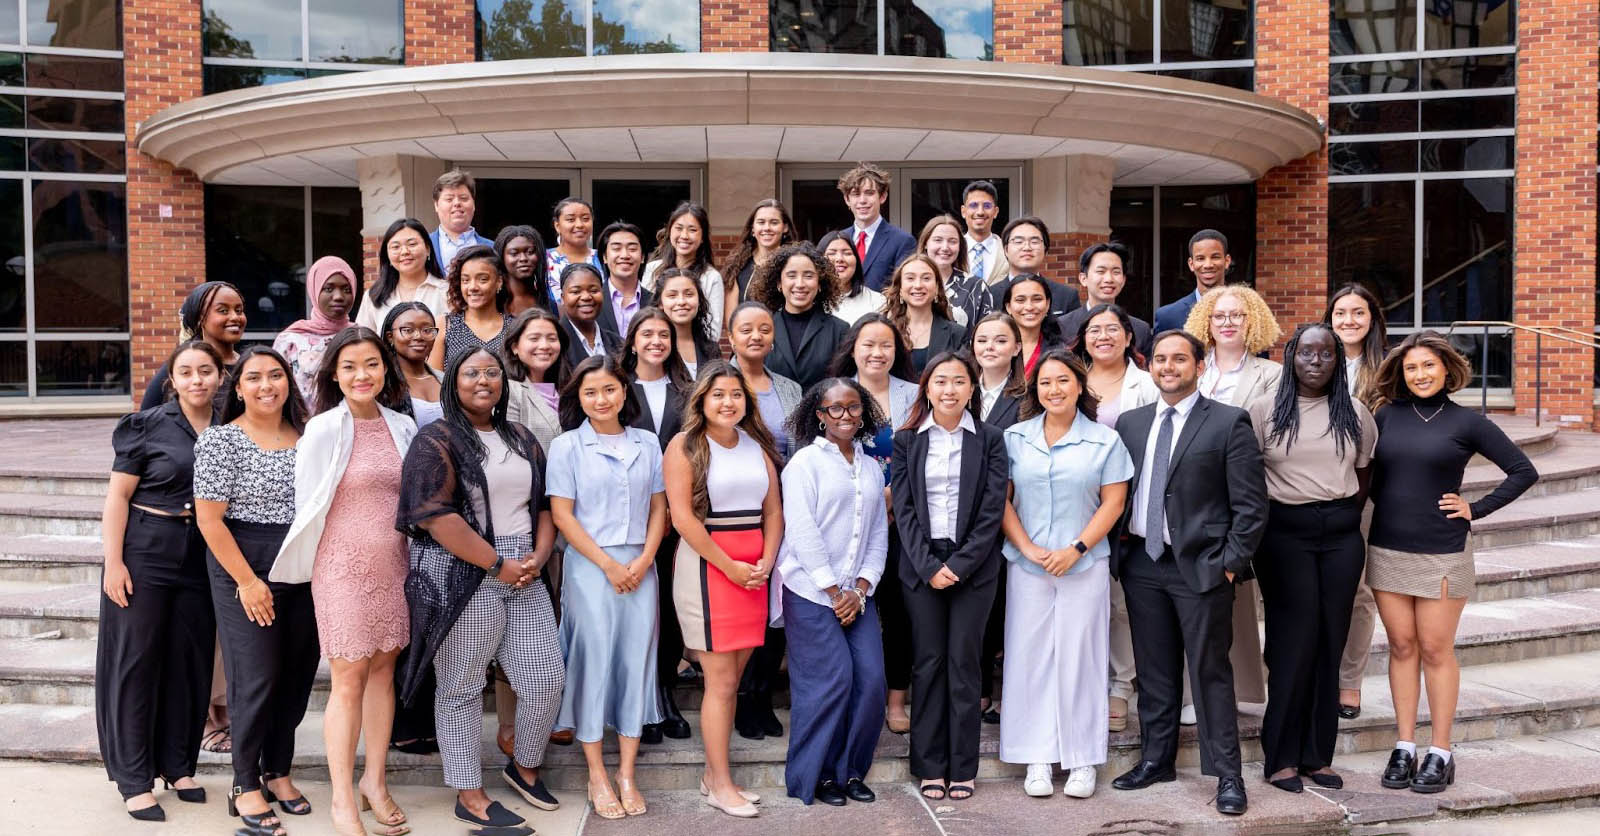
[1141, 494]
[987, 397]
[981, 255]
[943, 474]
[835, 525]
[1218, 383]
[871, 231]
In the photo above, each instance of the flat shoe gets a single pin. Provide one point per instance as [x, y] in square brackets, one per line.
[1117, 720]
[1326, 780]
[932, 790]
[493, 816]
[743, 811]
[753, 798]
[1289, 784]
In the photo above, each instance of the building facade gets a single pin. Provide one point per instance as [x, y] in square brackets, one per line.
[1440, 152]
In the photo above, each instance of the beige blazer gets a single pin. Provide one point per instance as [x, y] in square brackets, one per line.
[1259, 377]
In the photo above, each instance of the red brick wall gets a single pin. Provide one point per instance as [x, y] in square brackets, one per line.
[734, 26]
[1292, 199]
[166, 255]
[1061, 263]
[369, 259]
[1555, 201]
[439, 32]
[1027, 31]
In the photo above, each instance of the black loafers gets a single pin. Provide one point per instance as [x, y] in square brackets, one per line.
[651, 733]
[1434, 774]
[494, 816]
[1230, 796]
[1402, 767]
[1143, 775]
[829, 793]
[859, 791]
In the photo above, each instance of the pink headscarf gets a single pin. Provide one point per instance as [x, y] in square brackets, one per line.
[319, 324]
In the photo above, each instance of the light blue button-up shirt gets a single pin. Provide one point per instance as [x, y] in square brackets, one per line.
[610, 494]
[1056, 488]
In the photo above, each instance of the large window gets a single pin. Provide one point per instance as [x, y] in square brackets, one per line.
[510, 29]
[929, 28]
[1204, 40]
[1421, 125]
[1155, 224]
[249, 43]
[63, 205]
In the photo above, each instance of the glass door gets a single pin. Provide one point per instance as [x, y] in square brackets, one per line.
[521, 196]
[917, 194]
[642, 197]
[508, 195]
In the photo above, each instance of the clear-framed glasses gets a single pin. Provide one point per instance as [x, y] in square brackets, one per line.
[983, 205]
[1103, 331]
[1307, 355]
[490, 373]
[1020, 241]
[407, 332]
[405, 245]
[1236, 318]
[840, 410]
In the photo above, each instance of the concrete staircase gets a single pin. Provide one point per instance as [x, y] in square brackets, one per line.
[1529, 644]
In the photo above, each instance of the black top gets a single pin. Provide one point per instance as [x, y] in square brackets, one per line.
[746, 273]
[944, 335]
[1418, 461]
[796, 323]
[157, 445]
[804, 360]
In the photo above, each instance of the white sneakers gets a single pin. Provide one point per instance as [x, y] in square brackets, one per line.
[1186, 716]
[1037, 784]
[1080, 782]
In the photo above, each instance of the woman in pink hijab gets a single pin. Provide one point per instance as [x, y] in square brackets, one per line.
[332, 289]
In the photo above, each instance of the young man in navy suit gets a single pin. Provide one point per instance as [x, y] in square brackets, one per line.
[1209, 262]
[455, 197]
[880, 245]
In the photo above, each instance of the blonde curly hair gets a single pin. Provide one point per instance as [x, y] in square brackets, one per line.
[1261, 329]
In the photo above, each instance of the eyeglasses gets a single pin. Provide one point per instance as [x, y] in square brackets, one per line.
[405, 246]
[1307, 355]
[1103, 331]
[1019, 241]
[406, 332]
[985, 206]
[485, 374]
[839, 411]
[1228, 318]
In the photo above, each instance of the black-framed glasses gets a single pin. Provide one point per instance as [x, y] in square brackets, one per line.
[1307, 355]
[840, 410]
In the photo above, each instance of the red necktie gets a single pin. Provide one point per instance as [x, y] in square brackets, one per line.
[861, 245]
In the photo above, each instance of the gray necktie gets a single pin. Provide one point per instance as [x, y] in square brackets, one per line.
[1154, 518]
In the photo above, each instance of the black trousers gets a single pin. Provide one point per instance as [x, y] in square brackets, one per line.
[1170, 623]
[894, 620]
[152, 672]
[994, 637]
[270, 669]
[414, 720]
[1309, 565]
[947, 647]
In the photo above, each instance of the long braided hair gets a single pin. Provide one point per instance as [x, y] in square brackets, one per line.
[1343, 421]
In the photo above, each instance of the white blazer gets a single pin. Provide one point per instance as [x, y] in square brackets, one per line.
[1138, 389]
[319, 462]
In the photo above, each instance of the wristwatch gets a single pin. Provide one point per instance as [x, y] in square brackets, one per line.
[1082, 549]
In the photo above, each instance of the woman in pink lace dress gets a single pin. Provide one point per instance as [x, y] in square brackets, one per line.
[347, 485]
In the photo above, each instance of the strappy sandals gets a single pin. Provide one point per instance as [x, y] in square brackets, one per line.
[391, 817]
[605, 802]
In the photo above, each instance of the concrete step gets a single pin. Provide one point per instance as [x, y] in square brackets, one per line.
[1539, 519]
[30, 513]
[1571, 464]
[51, 558]
[1538, 696]
[1517, 628]
[1537, 569]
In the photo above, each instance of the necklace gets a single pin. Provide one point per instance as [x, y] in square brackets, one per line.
[1427, 418]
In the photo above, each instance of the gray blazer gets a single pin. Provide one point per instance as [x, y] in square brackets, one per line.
[528, 408]
[902, 394]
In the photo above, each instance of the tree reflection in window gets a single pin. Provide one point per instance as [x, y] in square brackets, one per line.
[511, 29]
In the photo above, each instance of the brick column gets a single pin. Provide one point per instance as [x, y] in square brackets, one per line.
[1557, 72]
[440, 32]
[734, 26]
[166, 206]
[1292, 199]
[1027, 31]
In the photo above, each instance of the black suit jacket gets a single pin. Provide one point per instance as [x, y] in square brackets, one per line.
[1005, 412]
[671, 414]
[1216, 502]
[807, 362]
[575, 353]
[890, 246]
[945, 335]
[608, 315]
[1071, 322]
[984, 472]
[1063, 297]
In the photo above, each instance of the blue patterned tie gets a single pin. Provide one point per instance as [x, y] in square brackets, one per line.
[1154, 518]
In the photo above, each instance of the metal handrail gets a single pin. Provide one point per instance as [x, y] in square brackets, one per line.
[1586, 339]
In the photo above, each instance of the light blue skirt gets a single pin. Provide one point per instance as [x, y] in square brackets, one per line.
[609, 643]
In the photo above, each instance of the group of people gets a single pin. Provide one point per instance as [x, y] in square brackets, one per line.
[922, 462]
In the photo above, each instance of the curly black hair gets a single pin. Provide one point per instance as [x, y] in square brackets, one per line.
[804, 427]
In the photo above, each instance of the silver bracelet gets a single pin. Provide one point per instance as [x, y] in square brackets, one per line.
[862, 596]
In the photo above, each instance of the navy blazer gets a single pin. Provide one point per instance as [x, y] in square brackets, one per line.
[575, 353]
[890, 246]
[438, 250]
[1171, 317]
[807, 362]
[985, 470]
[607, 320]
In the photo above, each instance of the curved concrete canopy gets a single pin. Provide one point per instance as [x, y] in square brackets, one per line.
[697, 106]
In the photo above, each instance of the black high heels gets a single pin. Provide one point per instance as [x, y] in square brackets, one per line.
[193, 795]
[257, 824]
[293, 806]
[151, 813]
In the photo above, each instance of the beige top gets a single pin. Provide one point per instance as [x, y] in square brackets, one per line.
[1312, 470]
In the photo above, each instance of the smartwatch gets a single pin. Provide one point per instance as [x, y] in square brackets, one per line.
[1082, 549]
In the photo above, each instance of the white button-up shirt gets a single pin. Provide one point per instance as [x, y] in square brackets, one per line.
[1218, 383]
[943, 474]
[871, 231]
[835, 525]
[1141, 494]
[981, 255]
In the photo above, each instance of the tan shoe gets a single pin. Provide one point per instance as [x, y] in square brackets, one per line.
[1118, 720]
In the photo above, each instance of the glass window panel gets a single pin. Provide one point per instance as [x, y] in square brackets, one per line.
[624, 27]
[13, 296]
[79, 156]
[511, 29]
[86, 24]
[940, 29]
[336, 225]
[10, 69]
[848, 26]
[1096, 32]
[255, 235]
[69, 72]
[82, 367]
[58, 113]
[818, 208]
[11, 112]
[1466, 255]
[930, 197]
[13, 153]
[1372, 157]
[1478, 154]
[80, 257]
[222, 79]
[502, 203]
[1361, 27]
[1371, 241]
[10, 31]
[1186, 210]
[1205, 30]
[13, 369]
[1239, 78]
[1133, 225]
[1469, 114]
[1381, 117]
[645, 203]
[1360, 77]
[1463, 72]
[1459, 24]
[264, 29]
[361, 31]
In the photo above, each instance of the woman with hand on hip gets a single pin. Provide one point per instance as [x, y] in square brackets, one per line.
[347, 473]
[1069, 484]
[722, 486]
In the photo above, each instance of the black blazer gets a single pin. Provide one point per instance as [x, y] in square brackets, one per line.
[671, 414]
[984, 472]
[575, 353]
[1063, 297]
[1004, 413]
[1071, 322]
[607, 319]
[807, 362]
[890, 246]
[1216, 503]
